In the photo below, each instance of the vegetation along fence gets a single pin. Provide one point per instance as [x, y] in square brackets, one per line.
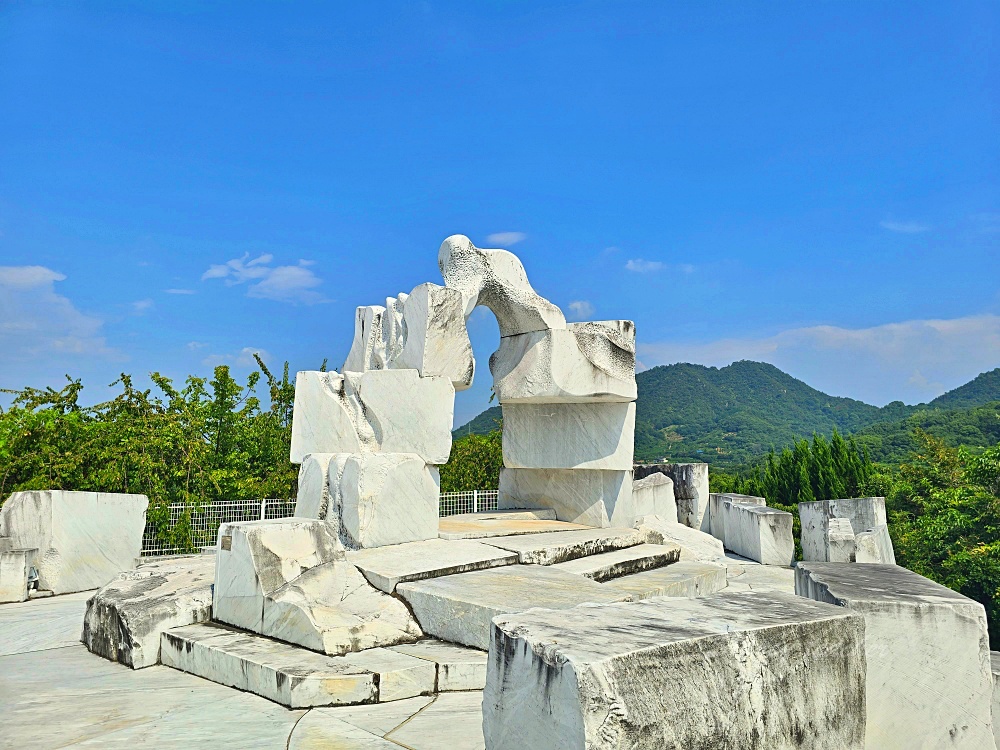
[191, 527]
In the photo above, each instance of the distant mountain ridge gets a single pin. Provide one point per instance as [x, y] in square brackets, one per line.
[732, 414]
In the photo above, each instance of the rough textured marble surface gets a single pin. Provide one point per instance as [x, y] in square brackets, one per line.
[125, 619]
[573, 365]
[42, 624]
[292, 676]
[388, 411]
[695, 545]
[256, 558]
[584, 496]
[751, 576]
[84, 539]
[717, 502]
[841, 544]
[686, 579]
[641, 674]
[331, 608]
[864, 514]
[314, 498]
[654, 496]
[502, 523]
[385, 567]
[568, 436]
[433, 339]
[460, 608]
[497, 280]
[874, 546]
[458, 667]
[559, 546]
[607, 565]
[15, 565]
[929, 682]
[760, 533]
[388, 498]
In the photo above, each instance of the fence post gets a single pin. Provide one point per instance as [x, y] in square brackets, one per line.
[263, 507]
[475, 501]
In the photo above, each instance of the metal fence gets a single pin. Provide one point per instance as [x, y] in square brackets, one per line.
[476, 501]
[199, 525]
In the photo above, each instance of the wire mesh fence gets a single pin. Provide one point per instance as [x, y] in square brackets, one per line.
[191, 527]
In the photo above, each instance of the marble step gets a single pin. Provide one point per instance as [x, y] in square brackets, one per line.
[685, 579]
[502, 523]
[460, 608]
[458, 667]
[559, 546]
[622, 562]
[293, 676]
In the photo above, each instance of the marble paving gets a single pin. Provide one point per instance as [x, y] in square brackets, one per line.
[55, 694]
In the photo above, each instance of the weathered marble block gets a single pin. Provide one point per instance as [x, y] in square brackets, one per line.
[690, 490]
[874, 546]
[389, 411]
[641, 674]
[497, 280]
[435, 341]
[314, 499]
[568, 436]
[654, 496]
[716, 514]
[331, 608]
[695, 545]
[256, 558]
[458, 667]
[995, 667]
[841, 544]
[584, 496]
[388, 498]
[864, 514]
[928, 678]
[459, 608]
[368, 346]
[15, 565]
[592, 362]
[84, 539]
[687, 579]
[125, 620]
[759, 533]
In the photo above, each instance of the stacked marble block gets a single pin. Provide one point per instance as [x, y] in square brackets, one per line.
[846, 530]
[370, 439]
[568, 397]
[745, 525]
[690, 486]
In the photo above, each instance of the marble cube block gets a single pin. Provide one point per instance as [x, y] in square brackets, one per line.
[584, 496]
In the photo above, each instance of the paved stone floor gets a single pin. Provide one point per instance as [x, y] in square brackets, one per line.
[56, 694]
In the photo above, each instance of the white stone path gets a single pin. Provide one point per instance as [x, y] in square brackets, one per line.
[55, 694]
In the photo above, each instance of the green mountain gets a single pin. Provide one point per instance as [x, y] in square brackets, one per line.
[973, 427]
[730, 415]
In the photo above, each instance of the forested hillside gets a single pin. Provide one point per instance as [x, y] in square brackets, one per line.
[732, 415]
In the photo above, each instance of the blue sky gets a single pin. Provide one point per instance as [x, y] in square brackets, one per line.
[810, 184]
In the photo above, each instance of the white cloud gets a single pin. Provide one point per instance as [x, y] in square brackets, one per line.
[904, 227]
[243, 358]
[912, 361]
[37, 323]
[581, 309]
[638, 265]
[139, 307]
[179, 291]
[295, 284]
[505, 239]
[195, 345]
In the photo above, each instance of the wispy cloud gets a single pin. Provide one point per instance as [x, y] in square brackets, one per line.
[638, 265]
[36, 322]
[196, 345]
[295, 284]
[243, 358]
[904, 227]
[140, 307]
[506, 239]
[913, 361]
[179, 291]
[580, 309]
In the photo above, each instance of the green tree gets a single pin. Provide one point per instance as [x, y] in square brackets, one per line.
[474, 463]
